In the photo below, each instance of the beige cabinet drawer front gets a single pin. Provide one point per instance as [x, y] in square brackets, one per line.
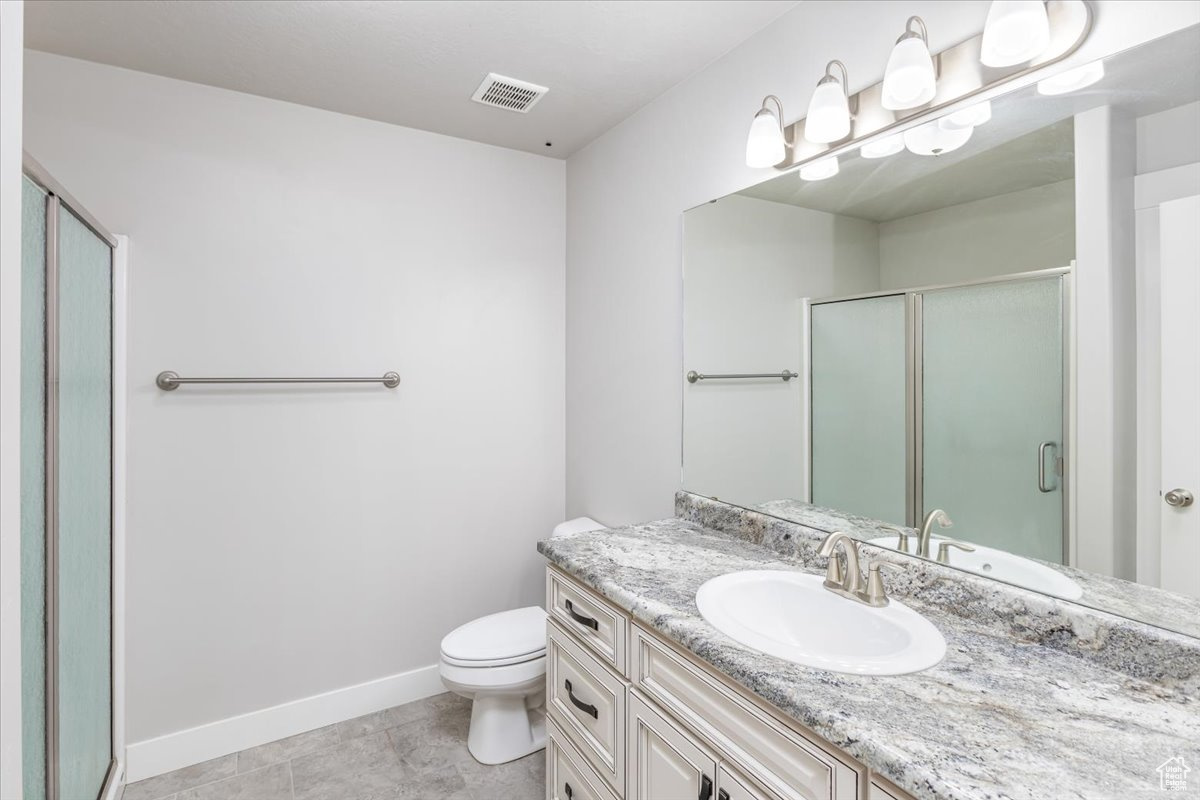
[588, 701]
[782, 759]
[732, 785]
[568, 776]
[597, 623]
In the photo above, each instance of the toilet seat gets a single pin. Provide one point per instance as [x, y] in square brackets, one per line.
[497, 640]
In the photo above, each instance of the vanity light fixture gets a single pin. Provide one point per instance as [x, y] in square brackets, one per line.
[969, 117]
[931, 139]
[1072, 80]
[820, 169]
[766, 145]
[829, 115]
[910, 79]
[883, 148]
[1016, 31]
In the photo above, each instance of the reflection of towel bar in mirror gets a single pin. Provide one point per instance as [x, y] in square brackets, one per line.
[169, 381]
[786, 375]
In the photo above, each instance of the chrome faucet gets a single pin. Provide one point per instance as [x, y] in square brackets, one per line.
[942, 519]
[847, 579]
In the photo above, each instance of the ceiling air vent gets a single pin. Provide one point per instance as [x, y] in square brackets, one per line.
[509, 93]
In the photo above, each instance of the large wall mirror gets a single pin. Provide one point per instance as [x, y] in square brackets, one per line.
[978, 342]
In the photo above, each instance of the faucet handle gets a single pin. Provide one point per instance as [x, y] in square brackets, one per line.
[876, 594]
[944, 545]
[902, 533]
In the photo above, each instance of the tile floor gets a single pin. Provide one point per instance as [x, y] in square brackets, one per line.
[416, 751]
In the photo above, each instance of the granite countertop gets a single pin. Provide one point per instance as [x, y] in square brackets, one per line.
[1137, 601]
[1001, 717]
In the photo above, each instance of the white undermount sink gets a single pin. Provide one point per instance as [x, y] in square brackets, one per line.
[791, 615]
[1004, 567]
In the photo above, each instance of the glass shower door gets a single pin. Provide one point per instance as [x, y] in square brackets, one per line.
[992, 413]
[859, 459]
[84, 508]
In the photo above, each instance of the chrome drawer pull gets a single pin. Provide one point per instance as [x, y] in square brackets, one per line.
[581, 619]
[586, 708]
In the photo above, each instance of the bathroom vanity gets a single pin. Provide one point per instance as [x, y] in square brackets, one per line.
[1033, 698]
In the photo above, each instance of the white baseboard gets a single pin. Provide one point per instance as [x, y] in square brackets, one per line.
[194, 745]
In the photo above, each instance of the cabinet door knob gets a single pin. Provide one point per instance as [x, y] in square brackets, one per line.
[1179, 498]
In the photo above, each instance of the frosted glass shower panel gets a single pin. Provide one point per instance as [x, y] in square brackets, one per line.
[993, 413]
[858, 407]
[84, 508]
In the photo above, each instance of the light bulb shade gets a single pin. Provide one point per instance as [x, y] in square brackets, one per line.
[765, 146]
[820, 170]
[882, 148]
[909, 80]
[1016, 31]
[931, 139]
[828, 117]
[1072, 80]
[970, 117]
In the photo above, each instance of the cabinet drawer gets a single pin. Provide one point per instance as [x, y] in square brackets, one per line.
[597, 623]
[568, 776]
[882, 789]
[587, 700]
[791, 765]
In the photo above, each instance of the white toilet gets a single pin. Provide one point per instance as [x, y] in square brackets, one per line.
[499, 662]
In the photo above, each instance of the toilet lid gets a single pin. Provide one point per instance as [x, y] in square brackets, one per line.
[508, 637]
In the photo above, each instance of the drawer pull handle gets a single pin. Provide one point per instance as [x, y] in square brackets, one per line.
[569, 791]
[722, 795]
[705, 788]
[581, 619]
[586, 708]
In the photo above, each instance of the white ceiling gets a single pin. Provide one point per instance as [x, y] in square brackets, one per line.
[417, 63]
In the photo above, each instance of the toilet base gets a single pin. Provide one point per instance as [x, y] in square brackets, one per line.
[503, 729]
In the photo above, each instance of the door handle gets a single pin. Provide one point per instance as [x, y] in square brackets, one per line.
[705, 788]
[580, 618]
[1179, 498]
[1042, 487]
[586, 708]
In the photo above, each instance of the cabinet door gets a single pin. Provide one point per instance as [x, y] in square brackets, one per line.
[666, 762]
[732, 785]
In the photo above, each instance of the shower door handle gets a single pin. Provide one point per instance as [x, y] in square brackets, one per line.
[1042, 487]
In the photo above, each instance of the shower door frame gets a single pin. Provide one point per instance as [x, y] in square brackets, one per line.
[58, 198]
[913, 399]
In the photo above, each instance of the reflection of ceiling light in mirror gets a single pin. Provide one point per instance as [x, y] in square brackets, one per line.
[883, 147]
[931, 139]
[828, 117]
[820, 170]
[909, 80]
[1072, 80]
[1016, 31]
[765, 146]
[969, 117]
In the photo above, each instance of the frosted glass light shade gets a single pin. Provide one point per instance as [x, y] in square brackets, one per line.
[882, 148]
[820, 170]
[970, 117]
[765, 146]
[828, 117]
[931, 139]
[1072, 80]
[1016, 31]
[909, 80]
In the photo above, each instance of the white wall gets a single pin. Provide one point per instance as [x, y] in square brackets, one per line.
[284, 542]
[627, 190]
[1016, 232]
[11, 38]
[1169, 138]
[747, 264]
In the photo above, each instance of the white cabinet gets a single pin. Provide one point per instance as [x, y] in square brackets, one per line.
[666, 762]
[633, 717]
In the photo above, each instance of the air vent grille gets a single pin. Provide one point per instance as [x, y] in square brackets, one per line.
[508, 93]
